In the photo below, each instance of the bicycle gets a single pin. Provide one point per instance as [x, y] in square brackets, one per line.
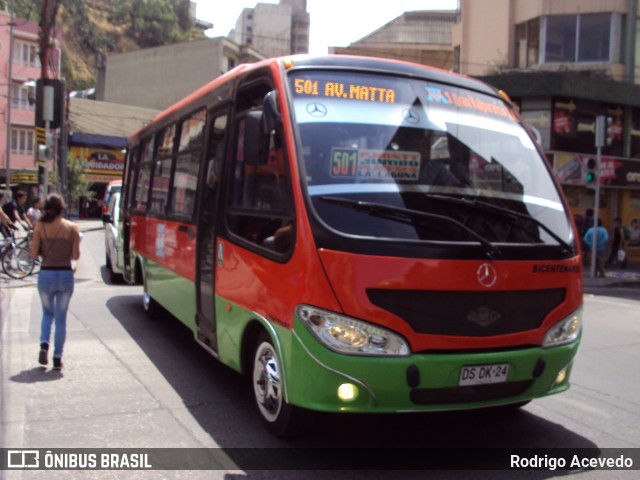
[25, 242]
[16, 259]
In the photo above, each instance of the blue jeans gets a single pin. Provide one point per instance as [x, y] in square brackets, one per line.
[55, 288]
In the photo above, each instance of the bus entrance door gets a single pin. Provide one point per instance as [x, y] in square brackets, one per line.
[206, 249]
[206, 315]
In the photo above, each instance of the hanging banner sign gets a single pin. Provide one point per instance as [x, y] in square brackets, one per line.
[614, 171]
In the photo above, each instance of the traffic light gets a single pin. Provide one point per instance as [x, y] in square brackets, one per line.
[605, 130]
[49, 96]
[590, 172]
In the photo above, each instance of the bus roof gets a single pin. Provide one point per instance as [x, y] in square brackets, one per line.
[369, 64]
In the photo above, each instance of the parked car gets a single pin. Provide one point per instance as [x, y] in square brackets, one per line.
[114, 186]
[112, 244]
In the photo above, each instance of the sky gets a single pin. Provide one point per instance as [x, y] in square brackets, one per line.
[334, 23]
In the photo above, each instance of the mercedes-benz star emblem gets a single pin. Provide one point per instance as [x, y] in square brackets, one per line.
[487, 275]
[316, 110]
[411, 116]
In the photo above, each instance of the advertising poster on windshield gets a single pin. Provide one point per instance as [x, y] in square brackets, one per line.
[368, 164]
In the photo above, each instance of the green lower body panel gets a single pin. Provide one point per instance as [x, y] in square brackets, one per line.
[174, 292]
[313, 374]
[419, 382]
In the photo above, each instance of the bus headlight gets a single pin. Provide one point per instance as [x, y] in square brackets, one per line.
[350, 336]
[565, 331]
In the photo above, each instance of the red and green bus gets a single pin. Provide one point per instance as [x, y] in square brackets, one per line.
[357, 235]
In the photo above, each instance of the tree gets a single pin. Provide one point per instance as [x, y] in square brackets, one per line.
[149, 22]
[27, 9]
[182, 9]
[78, 185]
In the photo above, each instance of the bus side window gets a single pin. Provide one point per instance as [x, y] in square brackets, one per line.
[162, 166]
[261, 209]
[187, 165]
[143, 177]
[216, 152]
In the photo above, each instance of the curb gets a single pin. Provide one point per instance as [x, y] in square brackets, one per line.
[615, 284]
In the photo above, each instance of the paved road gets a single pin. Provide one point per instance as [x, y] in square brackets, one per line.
[129, 382]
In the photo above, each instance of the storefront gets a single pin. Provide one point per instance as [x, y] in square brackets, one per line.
[563, 106]
[104, 157]
[619, 182]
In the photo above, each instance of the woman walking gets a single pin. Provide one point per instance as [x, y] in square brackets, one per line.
[57, 241]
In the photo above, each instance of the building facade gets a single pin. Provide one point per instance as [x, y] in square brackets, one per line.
[19, 64]
[565, 63]
[97, 134]
[274, 29]
[420, 37]
[158, 77]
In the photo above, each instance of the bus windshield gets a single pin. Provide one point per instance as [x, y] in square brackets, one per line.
[396, 158]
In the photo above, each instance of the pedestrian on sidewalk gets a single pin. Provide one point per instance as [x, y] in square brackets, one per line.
[57, 241]
[617, 245]
[601, 244]
[35, 211]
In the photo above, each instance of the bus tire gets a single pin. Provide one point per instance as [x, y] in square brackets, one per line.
[280, 418]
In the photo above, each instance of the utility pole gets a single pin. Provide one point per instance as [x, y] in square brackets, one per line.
[47, 22]
[9, 99]
[603, 138]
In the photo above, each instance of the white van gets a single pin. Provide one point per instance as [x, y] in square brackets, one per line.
[111, 220]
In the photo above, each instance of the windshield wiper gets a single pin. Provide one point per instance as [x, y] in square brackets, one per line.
[389, 211]
[505, 212]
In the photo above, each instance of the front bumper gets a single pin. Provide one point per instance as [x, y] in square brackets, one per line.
[419, 382]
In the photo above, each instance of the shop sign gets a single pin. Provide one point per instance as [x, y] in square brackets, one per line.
[564, 118]
[614, 171]
[101, 163]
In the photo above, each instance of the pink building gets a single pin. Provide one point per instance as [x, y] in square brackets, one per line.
[25, 65]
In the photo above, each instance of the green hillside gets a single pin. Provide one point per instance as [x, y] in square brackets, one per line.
[99, 27]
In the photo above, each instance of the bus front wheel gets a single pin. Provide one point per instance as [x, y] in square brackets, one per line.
[280, 418]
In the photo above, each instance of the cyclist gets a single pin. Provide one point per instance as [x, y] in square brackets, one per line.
[15, 210]
[5, 221]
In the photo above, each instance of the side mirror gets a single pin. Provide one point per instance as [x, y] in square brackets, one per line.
[106, 218]
[258, 127]
[271, 117]
[253, 154]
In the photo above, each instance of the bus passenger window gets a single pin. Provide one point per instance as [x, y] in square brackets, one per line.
[142, 190]
[187, 165]
[261, 204]
[184, 184]
[160, 184]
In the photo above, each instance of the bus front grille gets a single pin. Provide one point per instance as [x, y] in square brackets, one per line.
[468, 394]
[469, 313]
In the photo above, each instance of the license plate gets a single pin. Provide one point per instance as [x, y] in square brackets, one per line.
[483, 374]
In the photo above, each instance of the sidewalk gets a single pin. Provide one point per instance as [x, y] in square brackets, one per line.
[615, 277]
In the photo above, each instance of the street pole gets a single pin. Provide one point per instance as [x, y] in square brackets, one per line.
[47, 114]
[596, 208]
[9, 99]
[62, 150]
[601, 141]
